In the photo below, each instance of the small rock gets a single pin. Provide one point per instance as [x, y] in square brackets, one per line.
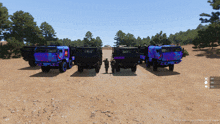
[92, 114]
[35, 101]
[136, 120]
[94, 122]
[52, 99]
[4, 117]
[45, 110]
[12, 111]
[108, 115]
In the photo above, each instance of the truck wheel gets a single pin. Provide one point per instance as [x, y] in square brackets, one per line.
[80, 69]
[147, 63]
[133, 69]
[45, 69]
[70, 64]
[97, 69]
[171, 67]
[154, 66]
[117, 69]
[32, 63]
[63, 67]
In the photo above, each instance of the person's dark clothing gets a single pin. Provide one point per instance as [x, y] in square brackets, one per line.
[106, 65]
[106, 70]
[113, 62]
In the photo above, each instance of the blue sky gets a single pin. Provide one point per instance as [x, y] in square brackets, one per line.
[73, 18]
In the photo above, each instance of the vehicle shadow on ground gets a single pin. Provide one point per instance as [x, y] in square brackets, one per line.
[51, 73]
[30, 68]
[85, 73]
[124, 72]
[160, 71]
[209, 53]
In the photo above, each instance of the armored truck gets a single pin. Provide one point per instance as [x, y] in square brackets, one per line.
[126, 57]
[163, 56]
[88, 58]
[27, 52]
[53, 57]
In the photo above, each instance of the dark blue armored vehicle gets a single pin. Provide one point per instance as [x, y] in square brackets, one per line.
[53, 57]
[163, 56]
[27, 52]
[126, 57]
[88, 58]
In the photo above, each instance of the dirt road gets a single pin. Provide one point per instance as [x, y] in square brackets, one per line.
[27, 95]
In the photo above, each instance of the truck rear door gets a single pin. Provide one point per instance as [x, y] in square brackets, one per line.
[46, 55]
[171, 53]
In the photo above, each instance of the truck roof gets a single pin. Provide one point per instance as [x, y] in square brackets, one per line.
[126, 47]
[60, 47]
[158, 47]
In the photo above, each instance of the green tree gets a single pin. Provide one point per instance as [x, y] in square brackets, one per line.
[48, 32]
[98, 42]
[139, 41]
[88, 40]
[208, 37]
[4, 22]
[89, 35]
[22, 27]
[119, 37]
[129, 40]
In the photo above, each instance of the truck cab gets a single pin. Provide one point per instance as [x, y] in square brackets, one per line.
[163, 56]
[53, 57]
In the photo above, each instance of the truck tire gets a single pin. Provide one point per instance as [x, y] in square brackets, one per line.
[45, 69]
[133, 69]
[32, 63]
[171, 67]
[117, 69]
[147, 63]
[97, 69]
[154, 66]
[80, 69]
[70, 64]
[63, 67]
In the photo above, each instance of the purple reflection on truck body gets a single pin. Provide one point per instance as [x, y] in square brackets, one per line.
[119, 57]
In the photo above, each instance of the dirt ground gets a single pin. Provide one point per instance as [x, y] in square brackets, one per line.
[29, 96]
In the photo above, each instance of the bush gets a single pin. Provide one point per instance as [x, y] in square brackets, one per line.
[185, 53]
[11, 48]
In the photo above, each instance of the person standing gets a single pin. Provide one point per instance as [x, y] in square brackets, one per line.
[113, 62]
[106, 64]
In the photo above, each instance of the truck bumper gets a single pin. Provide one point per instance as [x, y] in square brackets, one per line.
[47, 63]
[168, 62]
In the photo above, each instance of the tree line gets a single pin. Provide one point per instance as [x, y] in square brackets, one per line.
[203, 36]
[20, 27]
